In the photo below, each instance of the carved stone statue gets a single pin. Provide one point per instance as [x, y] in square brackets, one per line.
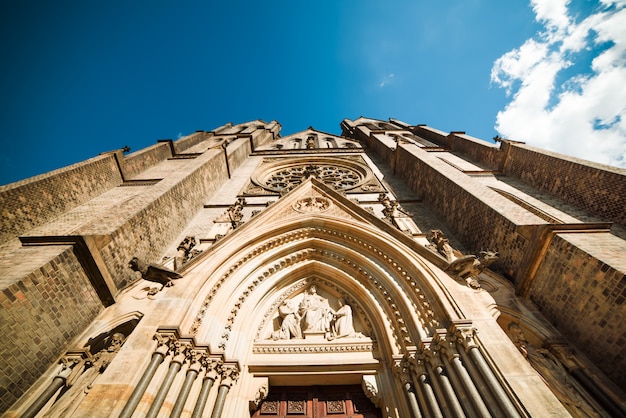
[186, 252]
[395, 215]
[553, 373]
[259, 397]
[441, 244]
[154, 273]
[83, 376]
[344, 327]
[233, 215]
[315, 312]
[290, 325]
[468, 268]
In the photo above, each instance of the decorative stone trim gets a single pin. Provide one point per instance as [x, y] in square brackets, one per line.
[280, 175]
[300, 348]
[312, 205]
[425, 312]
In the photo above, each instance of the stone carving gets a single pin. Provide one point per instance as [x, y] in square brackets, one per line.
[339, 178]
[440, 244]
[83, 375]
[259, 397]
[315, 312]
[314, 316]
[154, 273]
[186, 252]
[467, 268]
[395, 215]
[229, 373]
[343, 326]
[305, 348]
[310, 142]
[290, 326]
[370, 388]
[312, 204]
[553, 374]
[233, 214]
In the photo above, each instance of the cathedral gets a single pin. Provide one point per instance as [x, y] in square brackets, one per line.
[391, 271]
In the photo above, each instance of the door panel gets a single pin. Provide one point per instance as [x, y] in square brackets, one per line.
[317, 402]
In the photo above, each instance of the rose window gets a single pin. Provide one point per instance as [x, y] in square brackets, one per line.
[338, 177]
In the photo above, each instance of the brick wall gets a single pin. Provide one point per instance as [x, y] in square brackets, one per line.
[183, 144]
[47, 298]
[433, 135]
[237, 152]
[35, 201]
[146, 225]
[40, 313]
[484, 153]
[479, 217]
[598, 189]
[137, 162]
[581, 288]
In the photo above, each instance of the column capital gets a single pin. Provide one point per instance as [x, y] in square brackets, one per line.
[401, 368]
[211, 365]
[178, 350]
[447, 345]
[163, 343]
[229, 373]
[465, 334]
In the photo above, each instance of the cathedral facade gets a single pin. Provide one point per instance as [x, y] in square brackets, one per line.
[394, 270]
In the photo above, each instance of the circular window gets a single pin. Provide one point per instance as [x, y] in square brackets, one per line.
[341, 175]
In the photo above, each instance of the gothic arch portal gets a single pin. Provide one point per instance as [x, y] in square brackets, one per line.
[410, 339]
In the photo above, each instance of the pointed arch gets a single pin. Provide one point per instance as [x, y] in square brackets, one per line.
[403, 287]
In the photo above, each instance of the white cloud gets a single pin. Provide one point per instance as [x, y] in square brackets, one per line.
[583, 115]
[552, 12]
[386, 80]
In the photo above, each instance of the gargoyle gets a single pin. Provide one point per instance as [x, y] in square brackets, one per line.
[154, 273]
[469, 267]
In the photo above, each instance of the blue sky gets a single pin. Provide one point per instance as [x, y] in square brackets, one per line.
[79, 78]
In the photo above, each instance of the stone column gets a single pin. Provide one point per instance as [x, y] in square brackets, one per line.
[402, 371]
[177, 350]
[229, 373]
[210, 366]
[475, 406]
[440, 374]
[465, 336]
[146, 378]
[192, 373]
[423, 387]
[57, 383]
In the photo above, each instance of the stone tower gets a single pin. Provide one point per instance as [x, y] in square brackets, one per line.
[392, 271]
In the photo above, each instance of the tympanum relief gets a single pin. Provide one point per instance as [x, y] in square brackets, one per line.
[312, 316]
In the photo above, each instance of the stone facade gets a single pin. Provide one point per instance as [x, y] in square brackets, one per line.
[306, 261]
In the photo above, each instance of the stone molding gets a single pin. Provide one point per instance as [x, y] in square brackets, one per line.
[425, 311]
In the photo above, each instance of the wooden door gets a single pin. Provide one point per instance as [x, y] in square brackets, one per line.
[317, 402]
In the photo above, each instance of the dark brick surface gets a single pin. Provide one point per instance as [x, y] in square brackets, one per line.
[581, 288]
[485, 153]
[141, 160]
[598, 189]
[37, 200]
[479, 217]
[145, 226]
[40, 313]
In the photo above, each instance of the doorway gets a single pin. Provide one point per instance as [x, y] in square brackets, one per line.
[346, 401]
